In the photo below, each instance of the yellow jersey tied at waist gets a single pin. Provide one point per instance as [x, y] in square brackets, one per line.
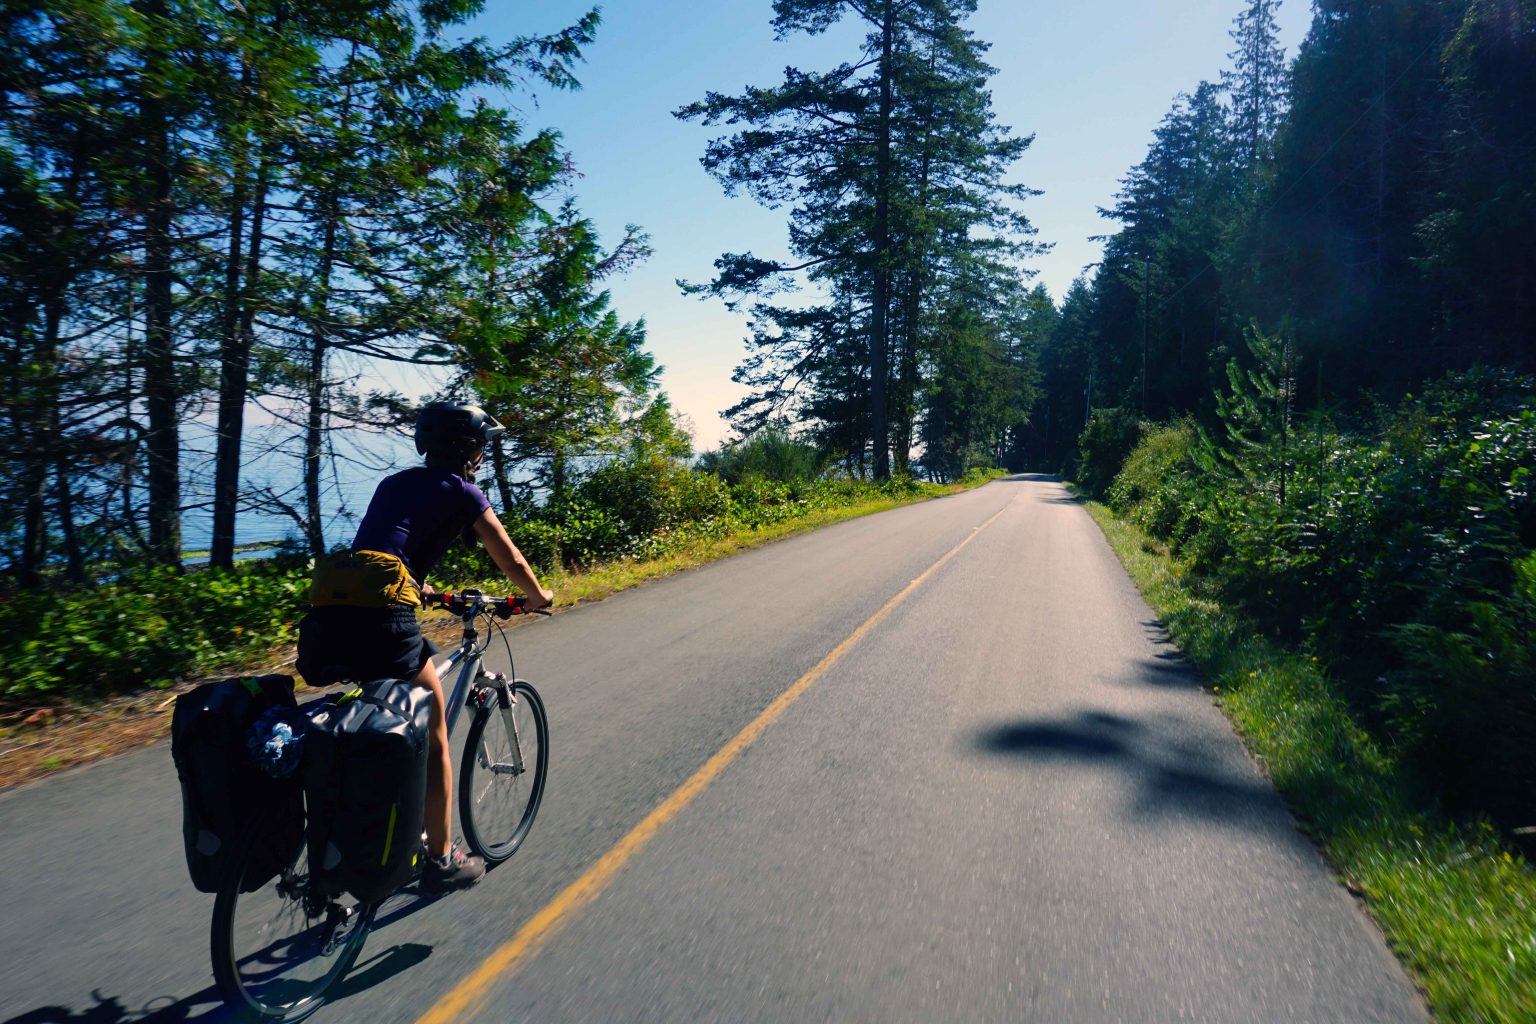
[362, 579]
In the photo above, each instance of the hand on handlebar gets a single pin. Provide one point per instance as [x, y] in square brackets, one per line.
[502, 607]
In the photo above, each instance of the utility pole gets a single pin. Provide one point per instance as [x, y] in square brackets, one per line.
[1088, 400]
[1146, 327]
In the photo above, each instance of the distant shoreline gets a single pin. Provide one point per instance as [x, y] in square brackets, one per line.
[246, 548]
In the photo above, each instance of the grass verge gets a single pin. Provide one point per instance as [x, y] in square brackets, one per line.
[1457, 908]
[40, 740]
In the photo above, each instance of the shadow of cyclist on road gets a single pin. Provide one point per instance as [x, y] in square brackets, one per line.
[205, 1007]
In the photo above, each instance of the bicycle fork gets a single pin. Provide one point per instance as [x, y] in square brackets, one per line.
[504, 700]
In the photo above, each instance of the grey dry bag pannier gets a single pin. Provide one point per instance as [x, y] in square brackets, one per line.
[365, 775]
[223, 791]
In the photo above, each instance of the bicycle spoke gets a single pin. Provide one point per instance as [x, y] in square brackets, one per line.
[503, 773]
[280, 946]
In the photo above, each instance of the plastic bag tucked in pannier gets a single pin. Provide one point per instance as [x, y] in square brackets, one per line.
[222, 790]
[365, 773]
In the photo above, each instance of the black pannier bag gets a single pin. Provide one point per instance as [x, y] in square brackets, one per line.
[365, 774]
[222, 790]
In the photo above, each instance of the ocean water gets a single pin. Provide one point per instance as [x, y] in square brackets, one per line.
[272, 481]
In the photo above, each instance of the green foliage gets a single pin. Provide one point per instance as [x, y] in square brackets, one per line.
[1373, 193]
[772, 453]
[644, 506]
[1155, 487]
[343, 168]
[1401, 552]
[1256, 410]
[147, 628]
[969, 400]
[1455, 905]
[895, 172]
[1111, 435]
[151, 627]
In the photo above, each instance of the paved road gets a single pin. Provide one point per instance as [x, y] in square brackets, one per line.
[1008, 800]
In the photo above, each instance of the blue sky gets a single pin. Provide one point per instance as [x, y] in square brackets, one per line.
[1089, 78]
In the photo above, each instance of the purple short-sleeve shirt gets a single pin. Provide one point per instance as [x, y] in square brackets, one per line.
[415, 514]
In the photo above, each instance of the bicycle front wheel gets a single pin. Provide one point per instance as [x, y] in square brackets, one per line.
[280, 943]
[501, 779]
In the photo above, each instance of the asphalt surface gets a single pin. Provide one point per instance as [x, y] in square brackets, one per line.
[1010, 800]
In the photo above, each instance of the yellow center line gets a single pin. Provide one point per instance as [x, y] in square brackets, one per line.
[470, 995]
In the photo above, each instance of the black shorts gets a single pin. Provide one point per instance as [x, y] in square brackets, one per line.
[338, 643]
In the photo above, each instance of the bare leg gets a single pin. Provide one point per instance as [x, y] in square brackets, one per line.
[439, 820]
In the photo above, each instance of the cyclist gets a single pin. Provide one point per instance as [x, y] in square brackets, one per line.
[363, 621]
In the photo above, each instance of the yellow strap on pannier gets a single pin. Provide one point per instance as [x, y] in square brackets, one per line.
[362, 579]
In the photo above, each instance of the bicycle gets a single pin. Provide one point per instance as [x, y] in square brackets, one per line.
[279, 944]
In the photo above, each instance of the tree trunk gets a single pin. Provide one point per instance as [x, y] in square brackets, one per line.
[912, 309]
[314, 436]
[34, 529]
[879, 430]
[319, 351]
[906, 375]
[160, 391]
[235, 367]
[319, 348]
[130, 518]
[74, 564]
[1381, 165]
[233, 356]
[499, 470]
[557, 475]
[39, 430]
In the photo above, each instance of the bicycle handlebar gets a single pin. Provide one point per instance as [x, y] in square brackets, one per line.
[460, 602]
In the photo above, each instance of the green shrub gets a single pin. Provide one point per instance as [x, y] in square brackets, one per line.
[1110, 436]
[771, 454]
[1401, 552]
[1157, 484]
[145, 628]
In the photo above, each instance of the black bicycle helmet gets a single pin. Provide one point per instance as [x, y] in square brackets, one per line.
[446, 429]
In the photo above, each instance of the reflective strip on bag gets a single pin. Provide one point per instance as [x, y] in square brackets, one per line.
[389, 837]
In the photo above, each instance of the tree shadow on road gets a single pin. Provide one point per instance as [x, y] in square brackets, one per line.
[1028, 478]
[1166, 776]
[205, 1006]
[1067, 497]
[1167, 668]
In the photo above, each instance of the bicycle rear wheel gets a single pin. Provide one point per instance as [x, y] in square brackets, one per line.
[501, 778]
[278, 948]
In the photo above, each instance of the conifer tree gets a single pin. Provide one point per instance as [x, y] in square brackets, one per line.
[1256, 82]
[894, 167]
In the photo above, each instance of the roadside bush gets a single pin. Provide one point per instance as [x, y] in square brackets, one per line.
[1157, 485]
[770, 454]
[621, 506]
[1108, 439]
[587, 532]
[634, 492]
[145, 628]
[1400, 551]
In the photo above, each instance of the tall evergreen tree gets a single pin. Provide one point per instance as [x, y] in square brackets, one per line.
[895, 168]
[270, 57]
[66, 132]
[1477, 259]
[1256, 82]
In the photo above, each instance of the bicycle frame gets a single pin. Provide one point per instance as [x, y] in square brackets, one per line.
[468, 683]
